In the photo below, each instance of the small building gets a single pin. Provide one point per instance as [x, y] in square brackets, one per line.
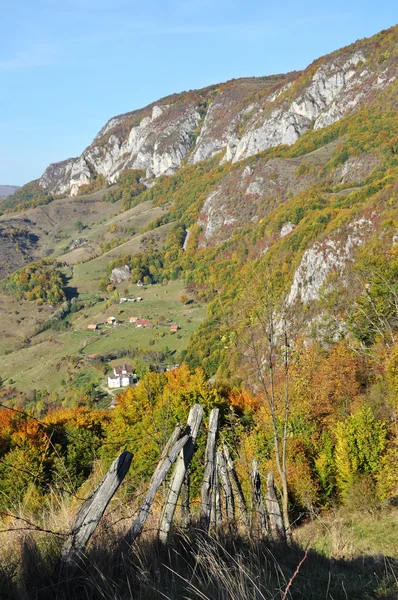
[174, 327]
[130, 299]
[113, 404]
[122, 300]
[111, 320]
[133, 319]
[139, 299]
[92, 327]
[143, 323]
[114, 381]
[122, 376]
[140, 283]
[123, 370]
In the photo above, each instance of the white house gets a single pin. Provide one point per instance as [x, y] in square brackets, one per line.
[114, 381]
[122, 376]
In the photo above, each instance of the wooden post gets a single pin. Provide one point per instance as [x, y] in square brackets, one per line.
[226, 486]
[274, 512]
[236, 487]
[169, 455]
[209, 476]
[258, 500]
[182, 464]
[185, 509]
[89, 516]
[216, 512]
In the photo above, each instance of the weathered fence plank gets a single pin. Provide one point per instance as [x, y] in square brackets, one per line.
[258, 500]
[236, 487]
[182, 464]
[167, 459]
[185, 514]
[274, 512]
[226, 486]
[209, 475]
[89, 516]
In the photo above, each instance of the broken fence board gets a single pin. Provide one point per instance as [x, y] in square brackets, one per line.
[226, 486]
[182, 464]
[274, 512]
[237, 490]
[209, 475]
[158, 477]
[89, 516]
[258, 500]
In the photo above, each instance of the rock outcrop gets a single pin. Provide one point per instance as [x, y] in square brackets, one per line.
[332, 254]
[239, 118]
[120, 274]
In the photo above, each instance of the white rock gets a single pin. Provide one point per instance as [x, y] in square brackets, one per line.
[332, 254]
[286, 229]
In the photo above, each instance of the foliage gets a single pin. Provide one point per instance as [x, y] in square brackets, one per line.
[27, 196]
[360, 441]
[58, 450]
[129, 187]
[41, 282]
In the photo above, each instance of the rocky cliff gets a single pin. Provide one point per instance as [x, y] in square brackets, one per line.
[236, 119]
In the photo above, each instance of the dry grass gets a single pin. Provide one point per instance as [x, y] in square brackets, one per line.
[192, 566]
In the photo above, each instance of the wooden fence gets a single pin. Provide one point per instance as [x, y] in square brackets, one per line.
[222, 502]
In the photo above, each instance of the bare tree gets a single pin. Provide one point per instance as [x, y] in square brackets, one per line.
[264, 345]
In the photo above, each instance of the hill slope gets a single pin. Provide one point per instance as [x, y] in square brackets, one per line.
[303, 208]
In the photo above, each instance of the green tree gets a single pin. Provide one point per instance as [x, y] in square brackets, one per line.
[360, 441]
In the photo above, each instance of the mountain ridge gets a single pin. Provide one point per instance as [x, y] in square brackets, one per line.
[7, 190]
[238, 118]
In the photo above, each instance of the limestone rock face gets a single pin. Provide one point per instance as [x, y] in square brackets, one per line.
[332, 254]
[157, 144]
[120, 274]
[327, 98]
[237, 119]
[286, 229]
[356, 168]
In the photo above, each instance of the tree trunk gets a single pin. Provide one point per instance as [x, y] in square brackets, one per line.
[209, 475]
[182, 464]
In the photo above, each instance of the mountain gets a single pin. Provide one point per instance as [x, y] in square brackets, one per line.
[7, 190]
[294, 173]
[236, 119]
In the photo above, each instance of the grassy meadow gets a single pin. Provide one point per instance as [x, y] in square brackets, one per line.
[45, 362]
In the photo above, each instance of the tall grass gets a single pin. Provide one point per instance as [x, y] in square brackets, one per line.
[193, 565]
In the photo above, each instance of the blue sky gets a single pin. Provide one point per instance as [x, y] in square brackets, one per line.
[66, 66]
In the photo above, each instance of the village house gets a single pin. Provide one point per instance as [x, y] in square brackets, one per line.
[111, 320]
[122, 376]
[122, 300]
[133, 319]
[174, 328]
[143, 323]
[92, 327]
